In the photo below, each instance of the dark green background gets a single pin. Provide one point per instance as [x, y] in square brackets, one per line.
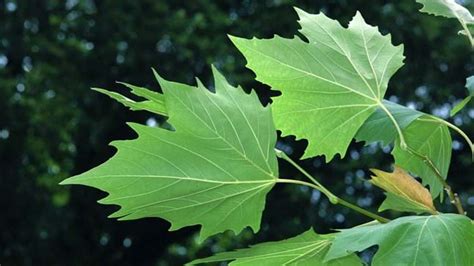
[53, 126]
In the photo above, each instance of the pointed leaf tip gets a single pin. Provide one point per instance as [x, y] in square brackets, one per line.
[158, 78]
[300, 12]
[235, 40]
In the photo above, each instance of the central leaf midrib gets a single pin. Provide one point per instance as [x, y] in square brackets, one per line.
[183, 178]
[414, 202]
[417, 249]
[315, 247]
[257, 189]
[371, 64]
[229, 144]
[288, 251]
[406, 196]
[349, 59]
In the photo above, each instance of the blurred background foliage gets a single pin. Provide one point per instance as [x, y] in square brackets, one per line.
[53, 126]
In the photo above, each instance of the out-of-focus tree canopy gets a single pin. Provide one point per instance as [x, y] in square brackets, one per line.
[53, 126]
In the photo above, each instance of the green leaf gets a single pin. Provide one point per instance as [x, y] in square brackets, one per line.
[428, 154]
[451, 9]
[446, 8]
[470, 87]
[446, 239]
[308, 248]
[379, 127]
[154, 101]
[403, 192]
[220, 160]
[330, 85]
[423, 135]
[458, 107]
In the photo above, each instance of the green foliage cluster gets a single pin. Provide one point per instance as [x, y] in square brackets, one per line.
[214, 162]
[51, 126]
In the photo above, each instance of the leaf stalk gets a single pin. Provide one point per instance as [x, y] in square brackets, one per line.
[403, 143]
[332, 198]
[468, 33]
[318, 186]
[459, 131]
[453, 197]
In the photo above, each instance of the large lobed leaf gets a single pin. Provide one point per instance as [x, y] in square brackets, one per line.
[429, 143]
[332, 91]
[215, 169]
[331, 84]
[308, 249]
[446, 239]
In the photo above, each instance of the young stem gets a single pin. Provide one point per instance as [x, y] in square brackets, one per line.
[318, 186]
[337, 199]
[468, 33]
[453, 197]
[282, 155]
[363, 211]
[459, 131]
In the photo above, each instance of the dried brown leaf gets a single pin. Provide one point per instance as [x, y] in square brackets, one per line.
[401, 184]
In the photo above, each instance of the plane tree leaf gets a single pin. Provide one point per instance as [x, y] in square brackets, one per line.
[220, 159]
[428, 154]
[379, 127]
[403, 192]
[308, 248]
[333, 82]
[445, 239]
[450, 9]
[154, 101]
[470, 87]
[447, 8]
